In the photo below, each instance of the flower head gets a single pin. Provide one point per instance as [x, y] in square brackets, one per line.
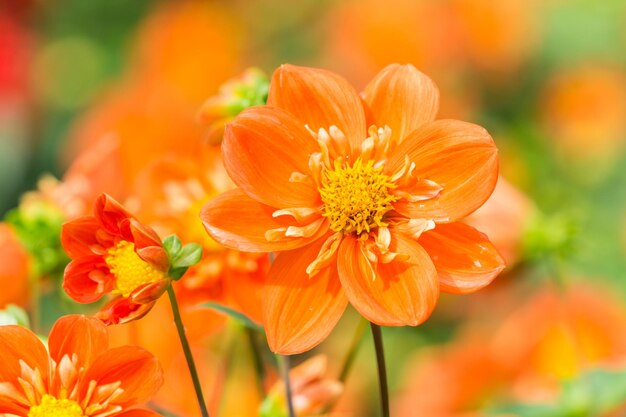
[311, 391]
[80, 377]
[361, 195]
[113, 253]
[235, 95]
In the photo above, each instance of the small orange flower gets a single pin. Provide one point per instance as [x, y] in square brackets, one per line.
[80, 377]
[311, 391]
[365, 215]
[113, 253]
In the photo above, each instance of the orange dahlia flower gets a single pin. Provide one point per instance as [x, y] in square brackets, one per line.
[113, 253]
[365, 215]
[80, 377]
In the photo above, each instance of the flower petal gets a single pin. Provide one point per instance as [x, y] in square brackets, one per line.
[122, 310]
[79, 237]
[262, 147]
[402, 98]
[137, 369]
[110, 213]
[87, 279]
[465, 258]
[300, 312]
[397, 293]
[319, 99]
[147, 293]
[239, 222]
[76, 334]
[9, 405]
[20, 344]
[139, 412]
[460, 157]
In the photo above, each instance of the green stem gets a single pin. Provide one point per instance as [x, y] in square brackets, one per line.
[382, 369]
[187, 350]
[285, 365]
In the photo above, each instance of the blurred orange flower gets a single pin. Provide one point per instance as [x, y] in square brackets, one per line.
[15, 270]
[496, 36]
[113, 253]
[583, 112]
[169, 195]
[363, 215]
[152, 110]
[237, 94]
[549, 338]
[365, 37]
[79, 377]
[504, 218]
[311, 391]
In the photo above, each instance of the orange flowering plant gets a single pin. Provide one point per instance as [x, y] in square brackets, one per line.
[79, 377]
[112, 252]
[361, 197]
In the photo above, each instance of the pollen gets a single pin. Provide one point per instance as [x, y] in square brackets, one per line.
[53, 407]
[356, 198]
[129, 269]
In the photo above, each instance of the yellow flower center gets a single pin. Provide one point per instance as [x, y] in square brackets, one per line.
[129, 269]
[53, 407]
[356, 197]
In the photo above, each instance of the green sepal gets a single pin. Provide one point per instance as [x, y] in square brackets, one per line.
[181, 257]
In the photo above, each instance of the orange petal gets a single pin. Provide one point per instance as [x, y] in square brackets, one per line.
[460, 157]
[150, 292]
[394, 294]
[76, 334]
[18, 343]
[123, 310]
[110, 213]
[137, 369]
[320, 99]
[262, 147]
[465, 258]
[87, 279]
[239, 222]
[300, 312]
[10, 406]
[139, 413]
[78, 237]
[402, 98]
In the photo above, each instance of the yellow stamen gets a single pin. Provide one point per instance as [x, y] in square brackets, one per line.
[356, 198]
[53, 407]
[129, 269]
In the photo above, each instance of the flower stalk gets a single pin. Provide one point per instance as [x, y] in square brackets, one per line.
[285, 365]
[382, 369]
[187, 351]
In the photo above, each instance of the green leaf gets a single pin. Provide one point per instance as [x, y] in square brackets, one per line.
[181, 257]
[240, 317]
[190, 255]
[172, 246]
